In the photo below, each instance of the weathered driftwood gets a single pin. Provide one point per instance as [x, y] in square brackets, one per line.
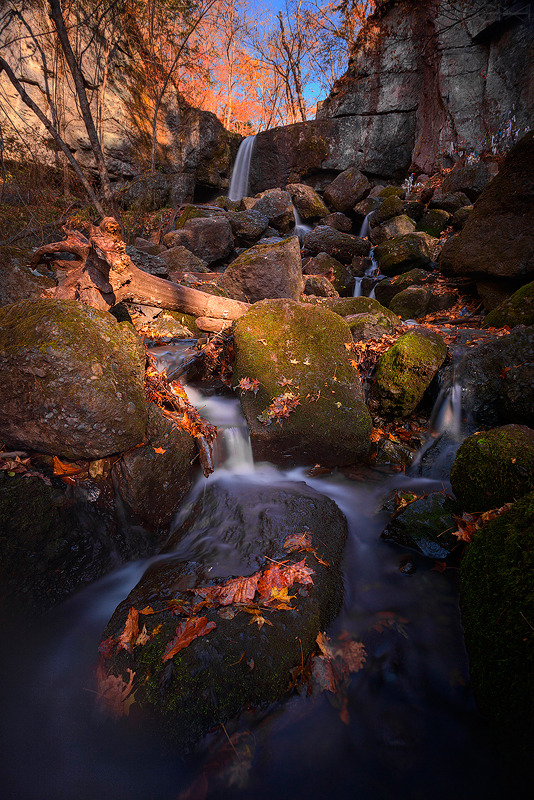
[212, 325]
[103, 274]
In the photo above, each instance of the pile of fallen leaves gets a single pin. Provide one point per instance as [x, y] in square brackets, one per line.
[172, 398]
[468, 524]
[281, 406]
[19, 463]
[366, 354]
[218, 357]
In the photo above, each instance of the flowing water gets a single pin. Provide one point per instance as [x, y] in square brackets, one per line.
[406, 728]
[239, 180]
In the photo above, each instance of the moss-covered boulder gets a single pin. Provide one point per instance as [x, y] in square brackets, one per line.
[425, 525]
[410, 303]
[396, 226]
[343, 246]
[322, 263]
[267, 270]
[246, 656]
[391, 207]
[368, 326]
[346, 190]
[494, 467]
[516, 310]
[403, 253]
[461, 216]
[386, 290]
[72, 380]
[347, 306]
[298, 354]
[160, 469]
[307, 201]
[497, 603]
[434, 221]
[405, 371]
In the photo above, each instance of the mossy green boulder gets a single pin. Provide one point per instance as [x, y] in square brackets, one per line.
[516, 310]
[497, 603]
[368, 326]
[72, 380]
[405, 371]
[494, 467]
[434, 221]
[235, 530]
[347, 306]
[411, 303]
[299, 351]
[404, 253]
[386, 289]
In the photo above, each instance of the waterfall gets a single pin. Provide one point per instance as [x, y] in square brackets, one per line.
[447, 412]
[370, 272]
[239, 180]
[301, 229]
[366, 226]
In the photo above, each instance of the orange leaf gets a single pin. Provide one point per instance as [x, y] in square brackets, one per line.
[249, 385]
[61, 468]
[159, 450]
[298, 541]
[236, 590]
[186, 632]
[280, 577]
[114, 694]
[130, 632]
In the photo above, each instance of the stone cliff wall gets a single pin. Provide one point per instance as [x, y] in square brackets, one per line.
[427, 79]
[194, 150]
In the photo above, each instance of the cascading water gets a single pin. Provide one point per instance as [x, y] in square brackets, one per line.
[301, 229]
[366, 226]
[240, 173]
[405, 729]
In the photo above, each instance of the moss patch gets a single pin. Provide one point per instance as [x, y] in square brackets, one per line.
[516, 310]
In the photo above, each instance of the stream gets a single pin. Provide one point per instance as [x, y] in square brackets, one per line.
[410, 728]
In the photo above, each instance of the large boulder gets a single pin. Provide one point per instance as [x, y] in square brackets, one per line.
[153, 264]
[396, 226]
[386, 290]
[252, 632]
[411, 303]
[267, 270]
[498, 237]
[309, 405]
[348, 306]
[404, 253]
[322, 263]
[497, 603]
[72, 380]
[307, 201]
[471, 179]
[276, 205]
[494, 467]
[180, 259]
[405, 371]
[516, 310]
[209, 238]
[346, 190]
[343, 246]
[20, 282]
[160, 468]
[248, 226]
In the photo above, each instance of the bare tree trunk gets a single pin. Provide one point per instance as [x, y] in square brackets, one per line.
[295, 69]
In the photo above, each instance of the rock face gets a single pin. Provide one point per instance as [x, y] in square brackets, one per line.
[72, 380]
[298, 354]
[494, 467]
[425, 79]
[498, 237]
[267, 270]
[236, 664]
[209, 238]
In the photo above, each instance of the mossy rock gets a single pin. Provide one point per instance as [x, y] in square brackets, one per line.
[368, 326]
[403, 253]
[72, 378]
[172, 325]
[405, 371]
[192, 212]
[386, 290]
[279, 341]
[238, 664]
[391, 207]
[516, 310]
[494, 467]
[434, 221]
[348, 306]
[425, 525]
[497, 603]
[391, 191]
[411, 303]
[322, 263]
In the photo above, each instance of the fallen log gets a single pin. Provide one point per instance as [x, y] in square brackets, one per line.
[104, 275]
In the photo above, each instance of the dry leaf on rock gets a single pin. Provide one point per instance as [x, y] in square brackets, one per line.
[186, 632]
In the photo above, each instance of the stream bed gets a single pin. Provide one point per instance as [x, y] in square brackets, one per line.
[406, 726]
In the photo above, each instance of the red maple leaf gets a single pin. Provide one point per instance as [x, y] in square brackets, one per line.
[186, 632]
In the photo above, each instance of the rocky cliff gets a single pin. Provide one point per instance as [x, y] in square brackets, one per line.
[428, 80]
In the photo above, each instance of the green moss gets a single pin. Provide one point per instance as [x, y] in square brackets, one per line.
[406, 252]
[497, 601]
[405, 371]
[494, 467]
[516, 310]
[347, 306]
[392, 191]
[411, 303]
[434, 221]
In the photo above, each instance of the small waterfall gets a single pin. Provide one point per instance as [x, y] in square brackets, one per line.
[366, 226]
[238, 450]
[370, 272]
[447, 413]
[239, 180]
[301, 229]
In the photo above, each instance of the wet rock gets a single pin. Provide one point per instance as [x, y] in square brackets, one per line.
[233, 530]
[307, 201]
[300, 350]
[275, 204]
[365, 207]
[396, 226]
[386, 290]
[169, 324]
[434, 221]
[153, 264]
[516, 310]
[469, 179]
[180, 259]
[72, 380]
[267, 270]
[403, 253]
[144, 474]
[324, 239]
[497, 603]
[426, 525]
[498, 237]
[411, 303]
[209, 238]
[248, 226]
[391, 206]
[322, 263]
[346, 190]
[494, 467]
[319, 286]
[405, 371]
[338, 221]
[496, 380]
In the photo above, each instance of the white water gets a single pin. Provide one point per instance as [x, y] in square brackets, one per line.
[240, 173]
[370, 272]
[301, 228]
[366, 226]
